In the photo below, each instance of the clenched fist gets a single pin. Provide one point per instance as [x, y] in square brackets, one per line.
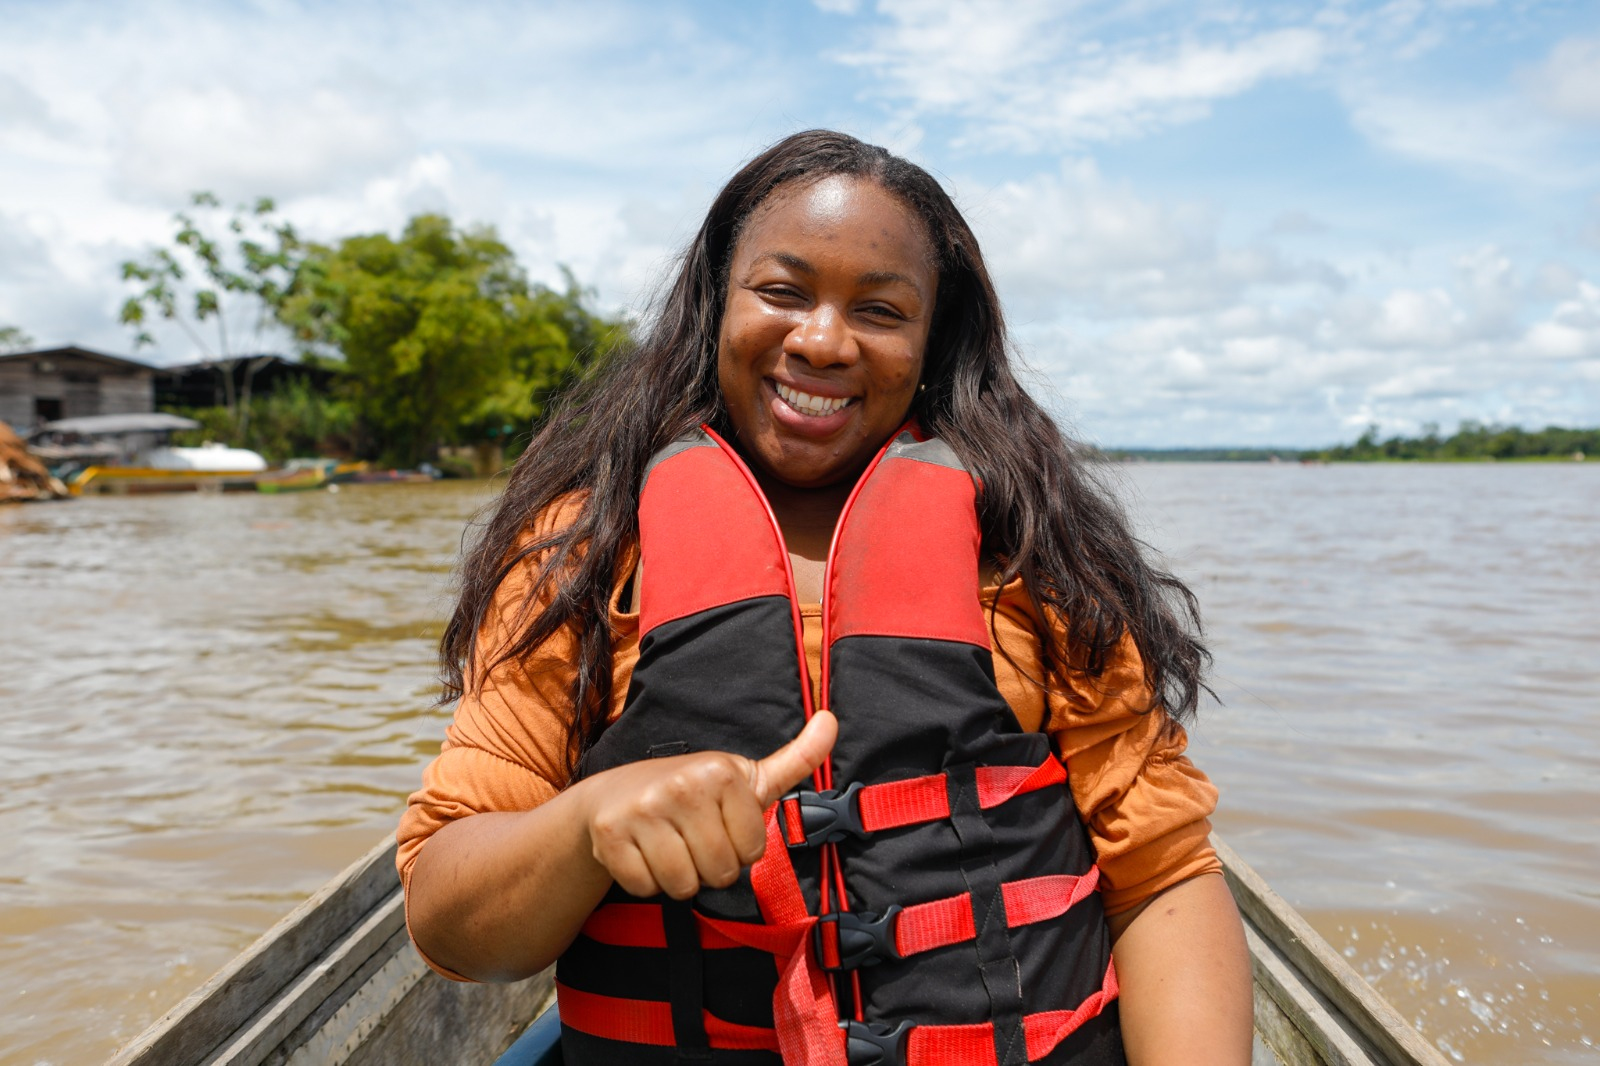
[674, 825]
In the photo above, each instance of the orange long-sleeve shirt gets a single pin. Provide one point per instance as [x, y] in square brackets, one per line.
[1145, 805]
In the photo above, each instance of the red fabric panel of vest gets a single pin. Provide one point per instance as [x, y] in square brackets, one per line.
[704, 564]
[909, 577]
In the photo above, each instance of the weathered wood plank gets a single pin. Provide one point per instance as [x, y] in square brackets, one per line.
[355, 1008]
[190, 1032]
[1297, 1022]
[1393, 1039]
[1278, 1040]
[313, 986]
[443, 1021]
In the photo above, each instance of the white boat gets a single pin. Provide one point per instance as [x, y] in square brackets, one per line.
[210, 458]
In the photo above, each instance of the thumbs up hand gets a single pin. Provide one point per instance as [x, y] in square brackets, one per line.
[675, 825]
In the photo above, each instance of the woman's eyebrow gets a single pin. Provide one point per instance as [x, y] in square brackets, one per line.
[884, 277]
[793, 262]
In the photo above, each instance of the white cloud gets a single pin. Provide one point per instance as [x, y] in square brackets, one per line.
[1572, 331]
[1409, 318]
[1034, 75]
[1256, 353]
[1482, 133]
[1568, 82]
[1075, 239]
[223, 137]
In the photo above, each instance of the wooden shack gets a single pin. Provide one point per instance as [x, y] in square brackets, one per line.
[72, 382]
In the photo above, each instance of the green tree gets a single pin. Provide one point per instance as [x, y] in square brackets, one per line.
[441, 336]
[294, 420]
[13, 339]
[203, 278]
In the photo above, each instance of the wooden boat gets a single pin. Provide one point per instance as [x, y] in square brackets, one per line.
[139, 481]
[301, 479]
[363, 474]
[337, 982]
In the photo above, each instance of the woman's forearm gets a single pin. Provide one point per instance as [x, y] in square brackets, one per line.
[497, 896]
[1185, 976]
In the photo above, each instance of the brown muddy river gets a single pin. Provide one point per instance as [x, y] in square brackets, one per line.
[208, 706]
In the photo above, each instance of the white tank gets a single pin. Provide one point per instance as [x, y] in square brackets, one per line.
[211, 457]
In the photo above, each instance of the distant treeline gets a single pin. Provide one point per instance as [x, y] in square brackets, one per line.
[1472, 441]
[1202, 455]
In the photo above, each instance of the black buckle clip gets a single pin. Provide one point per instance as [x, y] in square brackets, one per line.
[875, 1044]
[863, 938]
[825, 817]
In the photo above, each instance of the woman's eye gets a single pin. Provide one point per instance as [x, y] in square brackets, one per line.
[882, 311]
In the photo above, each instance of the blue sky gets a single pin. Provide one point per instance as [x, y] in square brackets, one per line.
[1212, 223]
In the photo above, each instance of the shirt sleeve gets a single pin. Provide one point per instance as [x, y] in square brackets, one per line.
[506, 749]
[1146, 806]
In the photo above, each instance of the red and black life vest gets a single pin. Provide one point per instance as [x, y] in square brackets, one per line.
[931, 900]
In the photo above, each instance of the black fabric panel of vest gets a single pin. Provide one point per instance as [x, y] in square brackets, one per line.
[911, 707]
[726, 679]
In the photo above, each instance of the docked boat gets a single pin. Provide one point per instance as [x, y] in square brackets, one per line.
[337, 983]
[300, 479]
[130, 454]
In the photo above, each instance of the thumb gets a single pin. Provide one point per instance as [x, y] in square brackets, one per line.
[791, 764]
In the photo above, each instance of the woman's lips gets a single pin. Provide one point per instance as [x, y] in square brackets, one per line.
[809, 403]
[807, 413]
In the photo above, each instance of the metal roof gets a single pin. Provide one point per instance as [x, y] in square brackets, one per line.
[106, 425]
[72, 350]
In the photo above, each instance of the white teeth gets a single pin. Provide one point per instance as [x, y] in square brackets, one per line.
[808, 404]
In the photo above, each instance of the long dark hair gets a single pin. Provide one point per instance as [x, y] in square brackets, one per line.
[1043, 512]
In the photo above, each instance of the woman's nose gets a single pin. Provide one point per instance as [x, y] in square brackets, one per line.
[822, 337]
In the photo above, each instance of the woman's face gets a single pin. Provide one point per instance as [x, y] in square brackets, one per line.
[830, 294]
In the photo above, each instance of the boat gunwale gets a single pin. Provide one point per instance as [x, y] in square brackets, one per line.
[1311, 1006]
[227, 1003]
[1291, 952]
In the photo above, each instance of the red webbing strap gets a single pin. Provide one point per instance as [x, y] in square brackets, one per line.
[973, 1045]
[791, 817]
[949, 921]
[897, 803]
[643, 1021]
[1046, 1030]
[773, 879]
[996, 784]
[934, 925]
[803, 1007]
[926, 799]
[1038, 899]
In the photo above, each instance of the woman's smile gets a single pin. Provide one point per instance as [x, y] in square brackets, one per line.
[808, 404]
[830, 294]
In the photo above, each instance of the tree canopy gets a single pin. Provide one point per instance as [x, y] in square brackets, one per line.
[440, 335]
[14, 339]
[205, 278]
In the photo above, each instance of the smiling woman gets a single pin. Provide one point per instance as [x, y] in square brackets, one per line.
[815, 705]
[830, 294]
